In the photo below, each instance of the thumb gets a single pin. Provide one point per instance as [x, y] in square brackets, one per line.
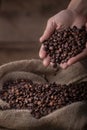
[48, 31]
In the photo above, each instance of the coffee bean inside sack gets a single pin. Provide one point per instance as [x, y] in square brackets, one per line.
[41, 99]
[65, 44]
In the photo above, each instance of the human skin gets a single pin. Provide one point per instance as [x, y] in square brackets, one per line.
[74, 15]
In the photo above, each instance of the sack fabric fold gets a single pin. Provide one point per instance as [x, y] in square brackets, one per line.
[71, 117]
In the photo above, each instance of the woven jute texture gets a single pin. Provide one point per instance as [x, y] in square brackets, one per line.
[71, 117]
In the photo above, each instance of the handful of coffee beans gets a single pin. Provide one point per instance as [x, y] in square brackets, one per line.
[41, 99]
[65, 44]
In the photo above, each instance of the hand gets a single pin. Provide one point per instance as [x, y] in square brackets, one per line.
[63, 19]
[75, 59]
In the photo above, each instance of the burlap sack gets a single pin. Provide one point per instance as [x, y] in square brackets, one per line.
[71, 117]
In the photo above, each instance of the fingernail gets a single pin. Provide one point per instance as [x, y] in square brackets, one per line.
[64, 65]
[69, 62]
[40, 39]
[45, 63]
[42, 55]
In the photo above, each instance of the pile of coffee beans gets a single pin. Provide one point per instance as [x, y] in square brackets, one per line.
[64, 44]
[41, 99]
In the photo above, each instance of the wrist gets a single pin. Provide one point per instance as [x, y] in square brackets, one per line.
[79, 7]
[73, 12]
[78, 13]
[77, 19]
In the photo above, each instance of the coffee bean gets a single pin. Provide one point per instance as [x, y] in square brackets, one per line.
[41, 99]
[65, 44]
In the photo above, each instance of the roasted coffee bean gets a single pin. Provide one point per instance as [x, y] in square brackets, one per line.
[41, 99]
[65, 44]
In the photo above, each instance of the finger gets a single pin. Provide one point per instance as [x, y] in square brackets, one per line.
[46, 61]
[42, 52]
[48, 31]
[64, 65]
[77, 58]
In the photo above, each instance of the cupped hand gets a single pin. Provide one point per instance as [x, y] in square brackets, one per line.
[75, 59]
[65, 18]
[80, 56]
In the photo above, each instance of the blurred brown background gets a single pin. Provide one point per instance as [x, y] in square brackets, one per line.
[22, 22]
